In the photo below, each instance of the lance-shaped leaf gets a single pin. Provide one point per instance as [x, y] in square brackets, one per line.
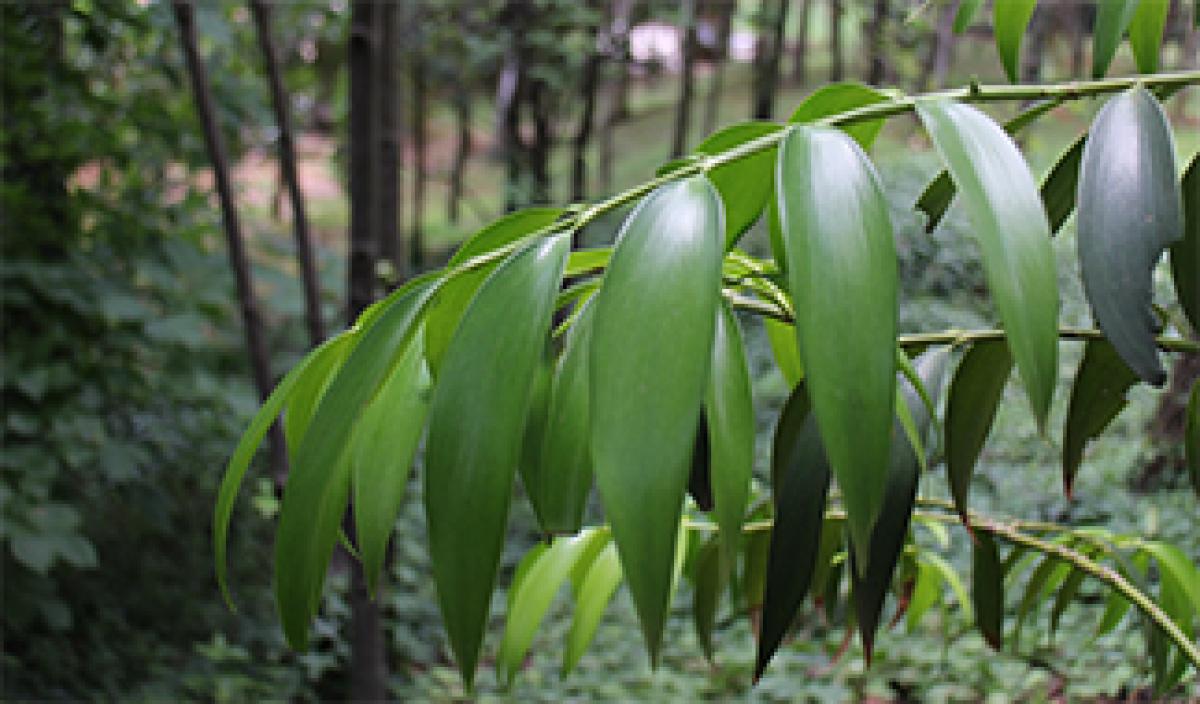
[800, 479]
[1146, 33]
[729, 412]
[709, 578]
[476, 420]
[384, 445]
[1130, 209]
[1185, 254]
[530, 466]
[447, 308]
[1061, 185]
[651, 346]
[782, 338]
[926, 591]
[1112, 19]
[744, 184]
[1097, 396]
[318, 485]
[837, 98]
[1191, 439]
[564, 478]
[1010, 18]
[311, 386]
[987, 589]
[965, 14]
[842, 266]
[971, 407]
[592, 596]
[1066, 594]
[891, 530]
[1013, 235]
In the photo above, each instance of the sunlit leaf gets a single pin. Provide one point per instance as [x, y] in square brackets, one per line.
[744, 184]
[1112, 19]
[965, 14]
[974, 396]
[1097, 396]
[837, 98]
[591, 598]
[782, 338]
[927, 589]
[1146, 32]
[1010, 18]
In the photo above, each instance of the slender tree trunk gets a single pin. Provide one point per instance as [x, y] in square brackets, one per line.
[717, 87]
[837, 65]
[458, 171]
[616, 108]
[583, 132]
[1035, 46]
[511, 89]
[543, 141]
[239, 261]
[767, 65]
[1075, 21]
[420, 98]
[683, 110]
[877, 73]
[388, 153]
[800, 52]
[937, 61]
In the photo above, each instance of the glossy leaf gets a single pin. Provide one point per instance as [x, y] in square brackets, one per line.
[530, 467]
[1130, 209]
[1013, 235]
[1112, 19]
[975, 394]
[965, 14]
[800, 479]
[729, 412]
[318, 485]
[475, 421]
[842, 266]
[1010, 18]
[837, 98]
[1185, 254]
[592, 597]
[311, 386]
[782, 338]
[1097, 396]
[650, 353]
[987, 589]
[1146, 33]
[744, 184]
[385, 442]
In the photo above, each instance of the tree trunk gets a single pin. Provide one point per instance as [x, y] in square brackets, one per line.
[800, 52]
[543, 142]
[937, 61]
[683, 110]
[458, 171]
[420, 98]
[583, 132]
[717, 86]
[239, 261]
[837, 63]
[616, 109]
[1035, 45]
[767, 63]
[877, 73]
[387, 155]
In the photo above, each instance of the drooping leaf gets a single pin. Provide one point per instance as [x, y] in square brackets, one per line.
[1066, 594]
[1191, 437]
[592, 597]
[1013, 235]
[967, 9]
[744, 184]
[1130, 209]
[311, 386]
[1146, 32]
[1010, 18]
[384, 445]
[1097, 396]
[842, 266]
[837, 98]
[952, 580]
[476, 417]
[318, 485]
[1185, 254]
[651, 347]
[782, 338]
[987, 589]
[926, 590]
[729, 412]
[1112, 19]
[1041, 580]
[975, 394]
[800, 479]
[447, 308]
[1061, 184]
[530, 467]
[709, 579]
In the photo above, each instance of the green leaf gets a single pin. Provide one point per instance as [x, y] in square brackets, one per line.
[592, 597]
[651, 347]
[1097, 396]
[967, 9]
[837, 98]
[476, 417]
[530, 467]
[1010, 18]
[1112, 18]
[987, 589]
[926, 591]
[1191, 437]
[744, 184]
[800, 480]
[1146, 33]
[729, 412]
[384, 445]
[1039, 582]
[842, 266]
[1175, 567]
[564, 479]
[975, 394]
[709, 578]
[1013, 235]
[586, 261]
[1066, 594]
[782, 338]
[314, 500]
[1061, 184]
[532, 596]
[952, 580]
[311, 386]
[1185, 254]
[455, 295]
[1130, 209]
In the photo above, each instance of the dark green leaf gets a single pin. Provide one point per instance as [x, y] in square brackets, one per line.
[745, 184]
[1130, 209]
[967, 9]
[1010, 18]
[971, 407]
[1013, 235]
[837, 98]
[476, 417]
[1040, 581]
[1066, 594]
[1112, 18]
[1185, 254]
[1146, 32]
[1097, 396]
[531, 467]
[1060, 185]
[987, 589]
[651, 348]
[311, 386]
[710, 577]
[729, 412]
[842, 266]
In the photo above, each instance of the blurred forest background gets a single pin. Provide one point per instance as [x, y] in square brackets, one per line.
[162, 265]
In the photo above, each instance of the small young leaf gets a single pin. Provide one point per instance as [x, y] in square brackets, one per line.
[987, 589]
[971, 407]
[1112, 18]
[838, 98]
[744, 184]
[1185, 254]
[1010, 18]
[651, 348]
[729, 412]
[1130, 209]
[1097, 396]
[1146, 32]
[591, 598]
[476, 417]
[842, 266]
[1013, 236]
[926, 591]
[782, 338]
[965, 15]
[952, 580]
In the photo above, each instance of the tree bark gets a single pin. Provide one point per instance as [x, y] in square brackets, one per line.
[309, 279]
[837, 62]
[387, 156]
[800, 52]
[239, 261]
[683, 110]
[462, 152]
[767, 65]
[717, 86]
[617, 105]
[587, 98]
[543, 142]
[877, 73]
[420, 98]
